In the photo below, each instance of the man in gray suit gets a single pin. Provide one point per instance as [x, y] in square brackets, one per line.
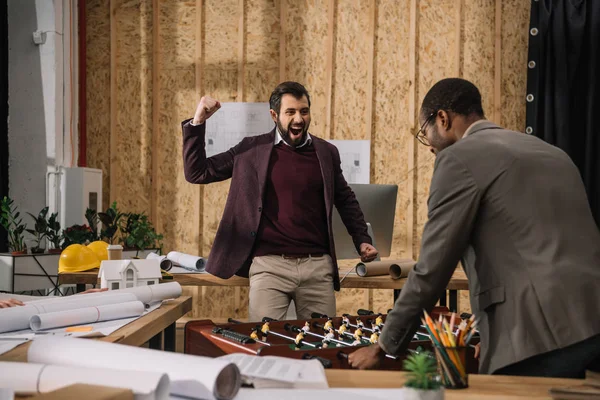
[517, 207]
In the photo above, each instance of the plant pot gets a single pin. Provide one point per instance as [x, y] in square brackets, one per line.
[54, 251]
[18, 253]
[418, 394]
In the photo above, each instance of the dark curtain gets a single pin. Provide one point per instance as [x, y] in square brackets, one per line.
[3, 112]
[563, 84]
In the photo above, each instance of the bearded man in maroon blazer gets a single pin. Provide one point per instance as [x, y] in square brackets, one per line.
[276, 227]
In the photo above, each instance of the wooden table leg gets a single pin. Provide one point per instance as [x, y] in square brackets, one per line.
[155, 342]
[170, 338]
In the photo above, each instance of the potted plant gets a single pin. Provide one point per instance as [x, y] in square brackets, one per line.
[78, 234]
[53, 234]
[92, 218]
[110, 222]
[39, 230]
[138, 233]
[9, 219]
[423, 381]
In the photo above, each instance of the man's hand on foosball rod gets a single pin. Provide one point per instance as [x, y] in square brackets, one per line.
[368, 252]
[367, 357]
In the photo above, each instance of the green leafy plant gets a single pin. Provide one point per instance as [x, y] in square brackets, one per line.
[110, 222]
[40, 229]
[78, 234]
[92, 218]
[138, 233]
[53, 232]
[422, 371]
[9, 219]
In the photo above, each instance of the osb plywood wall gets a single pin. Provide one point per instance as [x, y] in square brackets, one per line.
[367, 64]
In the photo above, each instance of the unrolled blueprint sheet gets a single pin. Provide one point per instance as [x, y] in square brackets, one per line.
[355, 156]
[235, 121]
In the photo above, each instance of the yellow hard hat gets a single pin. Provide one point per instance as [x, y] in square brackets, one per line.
[99, 247]
[77, 258]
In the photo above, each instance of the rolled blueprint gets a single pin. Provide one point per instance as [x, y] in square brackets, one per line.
[187, 261]
[191, 376]
[395, 268]
[17, 318]
[88, 315]
[165, 263]
[29, 378]
[153, 293]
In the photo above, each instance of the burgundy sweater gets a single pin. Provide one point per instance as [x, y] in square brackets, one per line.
[293, 221]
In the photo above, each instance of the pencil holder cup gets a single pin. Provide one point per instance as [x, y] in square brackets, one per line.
[452, 366]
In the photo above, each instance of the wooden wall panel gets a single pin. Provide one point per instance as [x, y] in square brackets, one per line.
[305, 30]
[478, 49]
[392, 131]
[133, 102]
[436, 60]
[176, 102]
[239, 51]
[515, 36]
[98, 90]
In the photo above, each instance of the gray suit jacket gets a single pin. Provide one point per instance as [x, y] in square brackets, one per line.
[517, 208]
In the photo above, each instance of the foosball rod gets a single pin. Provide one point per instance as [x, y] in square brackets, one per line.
[294, 328]
[289, 338]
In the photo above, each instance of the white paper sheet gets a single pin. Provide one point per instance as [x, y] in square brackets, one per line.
[7, 345]
[165, 263]
[187, 261]
[30, 378]
[192, 376]
[86, 315]
[274, 368]
[179, 270]
[233, 122]
[355, 156]
[17, 318]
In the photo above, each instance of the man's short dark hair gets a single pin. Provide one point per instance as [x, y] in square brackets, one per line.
[453, 94]
[293, 88]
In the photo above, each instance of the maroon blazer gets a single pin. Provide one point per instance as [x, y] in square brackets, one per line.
[247, 164]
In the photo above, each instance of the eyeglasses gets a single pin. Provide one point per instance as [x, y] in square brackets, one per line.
[421, 136]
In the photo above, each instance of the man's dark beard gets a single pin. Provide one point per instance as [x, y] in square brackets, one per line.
[437, 141]
[285, 133]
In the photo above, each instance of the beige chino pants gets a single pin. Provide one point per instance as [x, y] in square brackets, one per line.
[275, 281]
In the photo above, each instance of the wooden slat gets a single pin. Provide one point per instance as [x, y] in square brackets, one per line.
[458, 38]
[412, 98]
[329, 66]
[241, 55]
[199, 200]
[156, 141]
[113, 101]
[497, 114]
[282, 11]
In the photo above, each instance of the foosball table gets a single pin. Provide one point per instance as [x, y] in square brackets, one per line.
[327, 339]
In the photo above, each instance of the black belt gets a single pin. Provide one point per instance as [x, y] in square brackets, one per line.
[308, 255]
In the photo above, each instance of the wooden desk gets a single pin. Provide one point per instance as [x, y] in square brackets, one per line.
[458, 282]
[480, 386]
[151, 328]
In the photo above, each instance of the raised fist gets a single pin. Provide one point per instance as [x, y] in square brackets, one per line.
[207, 107]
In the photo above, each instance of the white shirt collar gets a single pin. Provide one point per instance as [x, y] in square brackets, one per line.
[278, 139]
[472, 127]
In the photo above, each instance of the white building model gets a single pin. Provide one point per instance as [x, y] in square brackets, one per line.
[121, 274]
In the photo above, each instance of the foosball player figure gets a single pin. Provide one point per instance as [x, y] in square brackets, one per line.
[374, 338]
[265, 331]
[358, 334]
[328, 336]
[298, 340]
[342, 329]
[359, 323]
[379, 320]
[345, 320]
[306, 327]
[254, 334]
[328, 325]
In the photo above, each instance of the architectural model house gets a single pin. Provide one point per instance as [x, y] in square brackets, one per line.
[121, 274]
